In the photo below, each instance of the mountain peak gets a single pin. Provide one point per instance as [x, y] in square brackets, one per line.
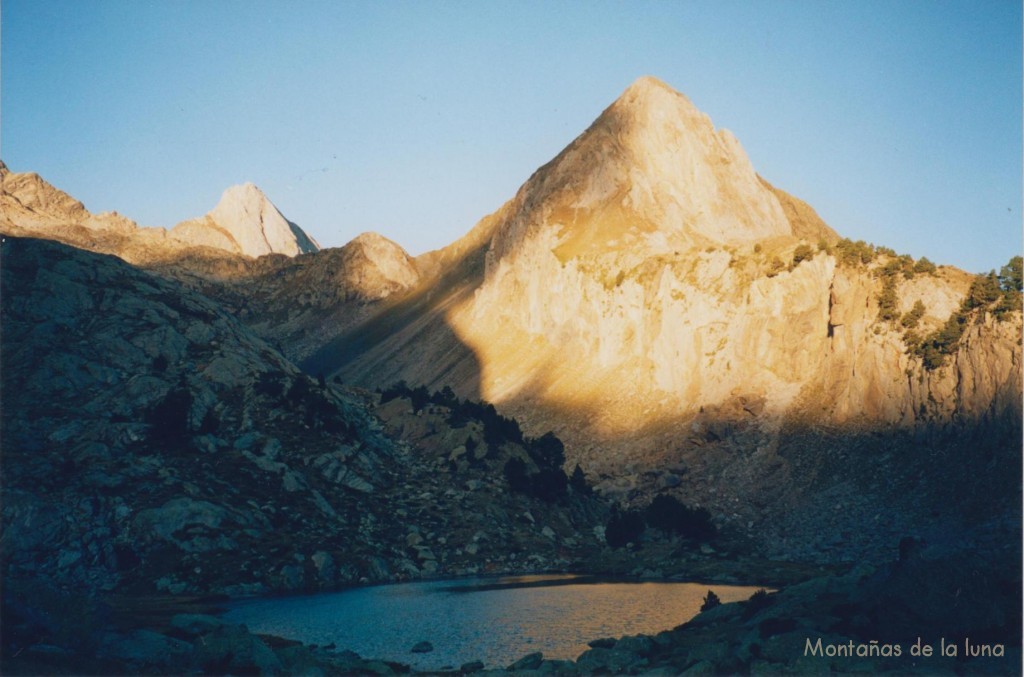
[247, 191]
[651, 170]
[647, 83]
[247, 197]
[648, 102]
[247, 222]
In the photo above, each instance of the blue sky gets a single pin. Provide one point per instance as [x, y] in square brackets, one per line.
[899, 121]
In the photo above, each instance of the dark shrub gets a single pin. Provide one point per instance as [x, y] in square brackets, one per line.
[515, 474]
[852, 253]
[888, 301]
[498, 429]
[269, 386]
[445, 397]
[210, 422]
[420, 397]
[668, 514]
[548, 484]
[802, 253]
[944, 341]
[710, 601]
[169, 420]
[394, 391]
[300, 389]
[578, 482]
[1011, 276]
[548, 451]
[457, 417]
[984, 290]
[758, 601]
[624, 527]
[925, 266]
[913, 316]
[1010, 303]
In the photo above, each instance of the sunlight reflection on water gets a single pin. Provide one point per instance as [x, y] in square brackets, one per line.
[495, 620]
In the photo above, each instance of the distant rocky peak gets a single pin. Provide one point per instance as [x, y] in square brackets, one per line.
[391, 262]
[247, 211]
[380, 245]
[247, 222]
[27, 199]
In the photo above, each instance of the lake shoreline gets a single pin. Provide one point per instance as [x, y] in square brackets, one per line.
[127, 617]
[492, 619]
[165, 634]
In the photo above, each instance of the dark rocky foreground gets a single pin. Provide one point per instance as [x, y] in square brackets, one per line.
[152, 444]
[866, 620]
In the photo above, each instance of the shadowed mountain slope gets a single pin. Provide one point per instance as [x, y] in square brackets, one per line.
[154, 444]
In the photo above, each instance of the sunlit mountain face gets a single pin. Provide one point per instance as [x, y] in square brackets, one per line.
[656, 303]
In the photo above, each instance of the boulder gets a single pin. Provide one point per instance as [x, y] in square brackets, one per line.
[609, 660]
[194, 625]
[146, 648]
[528, 662]
[233, 649]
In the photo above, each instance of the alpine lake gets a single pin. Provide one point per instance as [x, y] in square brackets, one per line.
[492, 620]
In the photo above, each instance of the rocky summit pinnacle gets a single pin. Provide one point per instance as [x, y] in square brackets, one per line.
[245, 221]
[651, 171]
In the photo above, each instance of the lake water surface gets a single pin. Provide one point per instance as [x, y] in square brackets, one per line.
[495, 620]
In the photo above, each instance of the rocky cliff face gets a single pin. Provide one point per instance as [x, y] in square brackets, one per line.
[124, 398]
[647, 295]
[647, 273]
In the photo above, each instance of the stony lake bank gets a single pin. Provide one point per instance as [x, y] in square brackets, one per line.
[48, 631]
[858, 619]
